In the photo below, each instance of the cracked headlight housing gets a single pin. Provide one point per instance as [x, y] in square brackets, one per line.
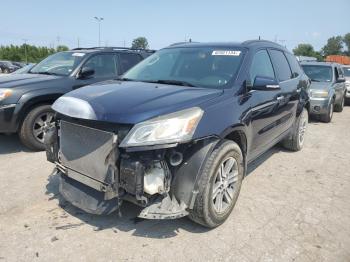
[4, 93]
[171, 128]
[319, 94]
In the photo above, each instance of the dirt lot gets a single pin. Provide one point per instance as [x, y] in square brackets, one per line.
[292, 207]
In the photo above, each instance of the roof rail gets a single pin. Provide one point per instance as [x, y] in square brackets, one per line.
[115, 48]
[180, 43]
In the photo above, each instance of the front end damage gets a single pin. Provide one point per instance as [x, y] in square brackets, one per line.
[96, 175]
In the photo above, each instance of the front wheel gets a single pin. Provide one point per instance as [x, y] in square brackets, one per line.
[219, 185]
[34, 127]
[329, 115]
[339, 107]
[296, 141]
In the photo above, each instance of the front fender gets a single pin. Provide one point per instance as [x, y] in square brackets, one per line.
[186, 177]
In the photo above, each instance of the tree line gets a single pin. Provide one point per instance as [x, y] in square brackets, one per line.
[28, 53]
[336, 45]
[34, 54]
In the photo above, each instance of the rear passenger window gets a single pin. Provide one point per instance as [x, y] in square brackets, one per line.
[261, 66]
[294, 64]
[281, 65]
[128, 60]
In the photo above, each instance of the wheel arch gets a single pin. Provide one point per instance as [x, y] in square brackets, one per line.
[29, 103]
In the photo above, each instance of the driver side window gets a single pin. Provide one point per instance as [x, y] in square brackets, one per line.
[104, 65]
[261, 66]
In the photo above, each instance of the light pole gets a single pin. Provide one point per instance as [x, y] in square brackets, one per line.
[25, 49]
[99, 20]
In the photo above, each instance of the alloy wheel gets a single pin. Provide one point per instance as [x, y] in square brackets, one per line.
[302, 128]
[41, 125]
[223, 188]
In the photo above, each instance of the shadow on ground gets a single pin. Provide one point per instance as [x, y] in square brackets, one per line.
[10, 144]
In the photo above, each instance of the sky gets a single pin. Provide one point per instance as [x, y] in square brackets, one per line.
[163, 22]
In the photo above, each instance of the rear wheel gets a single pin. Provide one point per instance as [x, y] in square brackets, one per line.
[329, 115]
[219, 185]
[296, 141]
[6, 71]
[34, 127]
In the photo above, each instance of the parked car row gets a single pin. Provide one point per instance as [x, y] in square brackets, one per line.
[7, 67]
[172, 131]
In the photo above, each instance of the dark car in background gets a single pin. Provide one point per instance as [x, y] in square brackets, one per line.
[175, 134]
[25, 99]
[7, 67]
[19, 64]
[25, 69]
[327, 90]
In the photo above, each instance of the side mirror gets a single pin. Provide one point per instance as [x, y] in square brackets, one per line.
[264, 83]
[86, 72]
[341, 80]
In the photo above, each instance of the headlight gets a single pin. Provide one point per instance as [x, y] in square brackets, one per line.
[171, 128]
[319, 94]
[4, 93]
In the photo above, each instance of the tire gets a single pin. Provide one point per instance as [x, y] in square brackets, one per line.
[339, 107]
[32, 130]
[206, 209]
[296, 141]
[329, 115]
[6, 71]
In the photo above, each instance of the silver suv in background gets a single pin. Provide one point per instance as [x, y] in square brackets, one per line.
[346, 70]
[327, 90]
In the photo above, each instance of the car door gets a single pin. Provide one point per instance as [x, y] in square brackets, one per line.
[272, 110]
[105, 67]
[290, 88]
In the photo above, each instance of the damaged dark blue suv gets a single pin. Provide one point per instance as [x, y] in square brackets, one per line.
[175, 134]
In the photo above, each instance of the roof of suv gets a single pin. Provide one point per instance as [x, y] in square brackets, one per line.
[248, 44]
[110, 49]
[319, 63]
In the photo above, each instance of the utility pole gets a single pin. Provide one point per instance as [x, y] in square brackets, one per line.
[25, 49]
[58, 38]
[78, 42]
[283, 42]
[99, 20]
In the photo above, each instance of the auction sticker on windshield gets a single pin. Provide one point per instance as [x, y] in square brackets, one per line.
[78, 54]
[226, 52]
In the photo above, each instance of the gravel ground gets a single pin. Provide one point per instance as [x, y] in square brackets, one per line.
[292, 207]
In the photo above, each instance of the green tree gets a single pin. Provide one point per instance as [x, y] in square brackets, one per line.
[61, 48]
[346, 40]
[304, 50]
[33, 53]
[140, 43]
[334, 46]
[307, 50]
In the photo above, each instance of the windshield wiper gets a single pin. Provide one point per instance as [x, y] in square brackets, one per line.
[315, 80]
[44, 73]
[124, 79]
[172, 82]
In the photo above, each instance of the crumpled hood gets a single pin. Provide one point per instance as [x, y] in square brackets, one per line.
[130, 102]
[320, 85]
[23, 80]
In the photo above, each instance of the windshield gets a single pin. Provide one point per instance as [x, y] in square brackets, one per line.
[199, 67]
[62, 63]
[346, 71]
[318, 73]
